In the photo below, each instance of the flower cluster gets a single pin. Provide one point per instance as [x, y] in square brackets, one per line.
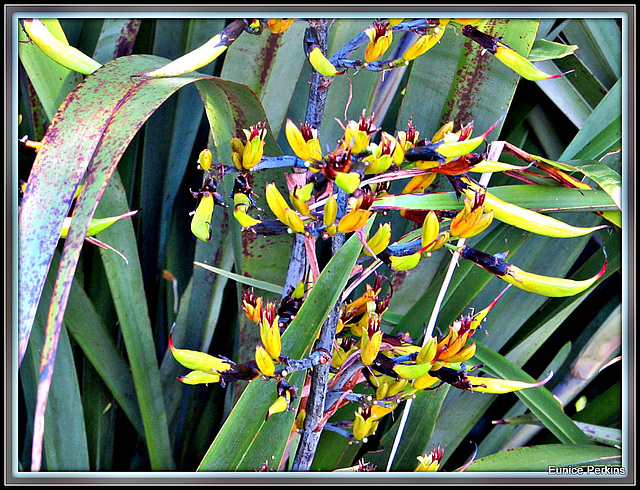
[391, 368]
[341, 190]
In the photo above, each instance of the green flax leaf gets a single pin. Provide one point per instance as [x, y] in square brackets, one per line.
[541, 458]
[246, 440]
[539, 400]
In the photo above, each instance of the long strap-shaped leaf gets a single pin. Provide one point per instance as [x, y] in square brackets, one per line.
[120, 107]
[246, 440]
[539, 400]
[548, 458]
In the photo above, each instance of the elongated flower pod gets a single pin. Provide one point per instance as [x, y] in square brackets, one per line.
[203, 55]
[95, 225]
[500, 386]
[201, 221]
[426, 42]
[507, 56]
[199, 377]
[527, 219]
[521, 65]
[193, 60]
[546, 286]
[59, 51]
[198, 361]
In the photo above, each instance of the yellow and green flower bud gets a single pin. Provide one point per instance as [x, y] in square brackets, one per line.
[527, 219]
[241, 205]
[201, 220]
[378, 242]
[205, 159]
[425, 381]
[300, 197]
[348, 181]
[198, 361]
[199, 377]
[321, 64]
[406, 262]
[280, 405]
[426, 42]
[428, 352]
[370, 347]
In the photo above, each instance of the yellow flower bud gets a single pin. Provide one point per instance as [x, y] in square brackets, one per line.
[270, 336]
[425, 43]
[348, 182]
[370, 347]
[428, 351]
[425, 381]
[380, 37]
[201, 220]
[279, 25]
[378, 242]
[304, 143]
[205, 158]
[353, 220]
[241, 205]
[406, 262]
[280, 405]
[264, 361]
[199, 377]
